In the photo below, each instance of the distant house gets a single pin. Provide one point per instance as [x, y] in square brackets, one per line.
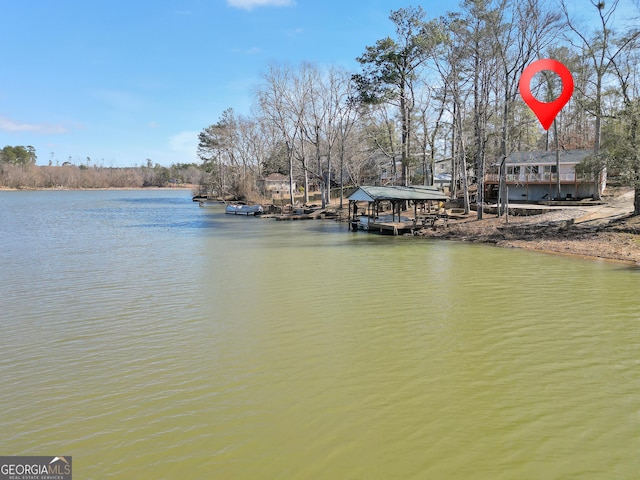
[533, 176]
[276, 185]
[441, 173]
[442, 180]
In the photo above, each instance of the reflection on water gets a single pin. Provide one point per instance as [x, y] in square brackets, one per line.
[150, 338]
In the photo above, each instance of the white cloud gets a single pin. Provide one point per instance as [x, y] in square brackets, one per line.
[251, 4]
[8, 125]
[248, 51]
[185, 144]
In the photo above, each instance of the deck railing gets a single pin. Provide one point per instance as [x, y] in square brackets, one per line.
[524, 178]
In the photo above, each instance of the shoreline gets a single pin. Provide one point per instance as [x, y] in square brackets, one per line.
[607, 232]
[569, 248]
[89, 189]
[582, 256]
[612, 241]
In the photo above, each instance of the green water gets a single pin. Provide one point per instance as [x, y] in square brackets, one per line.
[149, 338]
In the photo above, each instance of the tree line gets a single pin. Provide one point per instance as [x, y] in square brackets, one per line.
[18, 169]
[440, 90]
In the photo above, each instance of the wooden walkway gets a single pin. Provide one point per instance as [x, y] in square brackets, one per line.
[400, 228]
[394, 228]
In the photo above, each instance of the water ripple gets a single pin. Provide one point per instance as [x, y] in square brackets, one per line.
[154, 339]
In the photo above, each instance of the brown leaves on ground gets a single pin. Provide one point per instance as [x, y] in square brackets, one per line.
[556, 231]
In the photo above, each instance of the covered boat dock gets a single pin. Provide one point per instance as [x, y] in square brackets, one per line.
[397, 196]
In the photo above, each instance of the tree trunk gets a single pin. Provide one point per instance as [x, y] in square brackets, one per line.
[479, 166]
[306, 181]
[328, 183]
[341, 177]
[394, 171]
[454, 154]
[502, 186]
[425, 179]
[502, 189]
[290, 155]
[320, 175]
[557, 141]
[454, 145]
[597, 133]
[463, 155]
[405, 133]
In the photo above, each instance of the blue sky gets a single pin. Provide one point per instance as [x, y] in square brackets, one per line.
[122, 81]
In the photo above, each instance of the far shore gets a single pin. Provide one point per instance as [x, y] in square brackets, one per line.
[53, 189]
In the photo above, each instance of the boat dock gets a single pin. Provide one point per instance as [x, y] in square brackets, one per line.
[398, 198]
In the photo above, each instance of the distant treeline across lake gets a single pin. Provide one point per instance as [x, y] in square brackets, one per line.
[94, 176]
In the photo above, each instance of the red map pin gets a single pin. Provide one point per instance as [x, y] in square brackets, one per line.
[546, 112]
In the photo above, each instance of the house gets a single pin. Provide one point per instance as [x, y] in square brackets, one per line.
[442, 180]
[276, 185]
[533, 176]
[441, 171]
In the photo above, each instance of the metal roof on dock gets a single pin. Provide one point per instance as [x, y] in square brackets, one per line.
[413, 192]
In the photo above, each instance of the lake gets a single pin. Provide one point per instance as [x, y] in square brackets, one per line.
[149, 338]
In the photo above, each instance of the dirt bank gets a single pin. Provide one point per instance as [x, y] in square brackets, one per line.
[608, 231]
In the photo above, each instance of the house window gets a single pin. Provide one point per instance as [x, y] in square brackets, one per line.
[513, 173]
[549, 173]
[532, 169]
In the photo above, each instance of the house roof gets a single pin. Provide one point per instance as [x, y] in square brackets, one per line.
[547, 157]
[275, 177]
[416, 193]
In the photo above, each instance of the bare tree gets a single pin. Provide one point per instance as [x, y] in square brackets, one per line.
[450, 64]
[520, 29]
[622, 143]
[381, 132]
[391, 67]
[602, 49]
[482, 65]
[347, 117]
[277, 107]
